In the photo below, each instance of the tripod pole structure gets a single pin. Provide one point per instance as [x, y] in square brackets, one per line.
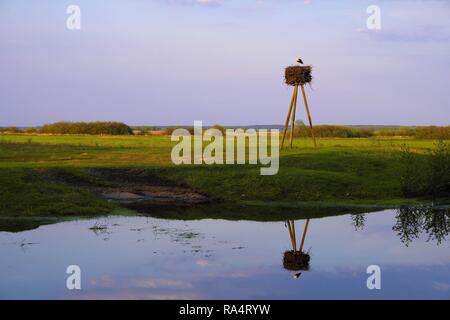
[294, 108]
[286, 124]
[293, 233]
[304, 235]
[309, 114]
[292, 236]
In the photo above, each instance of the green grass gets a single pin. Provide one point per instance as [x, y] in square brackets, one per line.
[27, 193]
[340, 172]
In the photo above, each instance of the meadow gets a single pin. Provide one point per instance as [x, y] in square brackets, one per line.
[46, 175]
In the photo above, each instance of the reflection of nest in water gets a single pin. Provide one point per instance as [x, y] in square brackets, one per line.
[296, 261]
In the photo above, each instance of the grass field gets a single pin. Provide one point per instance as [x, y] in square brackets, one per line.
[340, 172]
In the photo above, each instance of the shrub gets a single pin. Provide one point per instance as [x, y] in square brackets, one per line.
[169, 131]
[401, 132]
[433, 132]
[31, 130]
[220, 128]
[430, 132]
[413, 176]
[10, 130]
[426, 176]
[439, 183]
[323, 131]
[112, 128]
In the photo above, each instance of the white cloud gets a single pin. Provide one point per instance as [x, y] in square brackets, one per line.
[201, 3]
[441, 286]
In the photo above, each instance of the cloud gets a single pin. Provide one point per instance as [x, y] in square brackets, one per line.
[202, 263]
[425, 33]
[441, 286]
[107, 281]
[219, 3]
[412, 21]
[200, 3]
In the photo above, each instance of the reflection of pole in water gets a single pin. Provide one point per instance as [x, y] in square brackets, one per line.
[304, 235]
[291, 228]
[296, 260]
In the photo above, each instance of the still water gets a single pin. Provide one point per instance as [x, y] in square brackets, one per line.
[148, 258]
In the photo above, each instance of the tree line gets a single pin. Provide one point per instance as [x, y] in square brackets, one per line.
[301, 130]
[94, 128]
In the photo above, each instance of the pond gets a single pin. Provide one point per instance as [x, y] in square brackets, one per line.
[151, 258]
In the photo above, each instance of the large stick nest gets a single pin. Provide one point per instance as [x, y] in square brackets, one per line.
[296, 261]
[297, 75]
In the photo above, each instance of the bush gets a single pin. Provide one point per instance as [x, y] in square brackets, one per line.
[112, 128]
[430, 132]
[433, 132]
[400, 132]
[439, 182]
[426, 176]
[323, 131]
[413, 178]
[146, 128]
[31, 130]
[169, 131]
[10, 130]
[220, 128]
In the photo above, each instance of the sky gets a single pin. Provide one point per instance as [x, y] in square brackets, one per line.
[170, 62]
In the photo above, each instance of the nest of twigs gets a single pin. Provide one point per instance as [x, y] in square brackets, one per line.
[298, 75]
[296, 261]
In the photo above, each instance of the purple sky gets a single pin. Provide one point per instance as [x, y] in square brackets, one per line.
[167, 62]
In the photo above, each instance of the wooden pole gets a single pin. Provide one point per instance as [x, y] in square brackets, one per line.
[293, 233]
[291, 236]
[294, 107]
[304, 235]
[286, 124]
[309, 114]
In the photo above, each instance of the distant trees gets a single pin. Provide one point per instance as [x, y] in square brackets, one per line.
[111, 128]
[10, 130]
[220, 128]
[168, 131]
[433, 132]
[323, 131]
[301, 130]
[427, 132]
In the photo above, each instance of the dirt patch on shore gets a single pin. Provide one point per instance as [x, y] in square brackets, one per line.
[137, 189]
[141, 196]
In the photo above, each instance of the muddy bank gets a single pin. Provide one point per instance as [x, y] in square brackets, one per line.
[137, 189]
[143, 198]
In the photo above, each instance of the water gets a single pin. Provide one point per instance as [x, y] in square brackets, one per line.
[149, 258]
